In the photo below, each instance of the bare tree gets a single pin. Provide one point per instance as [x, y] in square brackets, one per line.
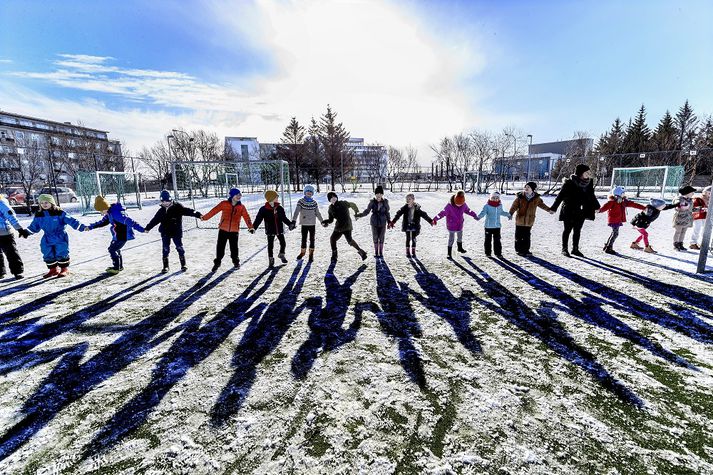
[395, 166]
[32, 168]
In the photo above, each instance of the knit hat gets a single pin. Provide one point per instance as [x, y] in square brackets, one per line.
[580, 169]
[618, 191]
[459, 197]
[309, 189]
[233, 192]
[270, 195]
[48, 198]
[656, 202]
[494, 195]
[379, 190]
[532, 185]
[686, 190]
[101, 204]
[165, 195]
[331, 195]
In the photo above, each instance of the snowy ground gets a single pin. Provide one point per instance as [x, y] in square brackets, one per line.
[546, 365]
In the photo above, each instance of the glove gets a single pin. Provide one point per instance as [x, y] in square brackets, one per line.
[251, 230]
[199, 215]
[390, 225]
[291, 226]
[325, 223]
[23, 233]
[294, 224]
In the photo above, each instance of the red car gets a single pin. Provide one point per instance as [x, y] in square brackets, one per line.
[16, 196]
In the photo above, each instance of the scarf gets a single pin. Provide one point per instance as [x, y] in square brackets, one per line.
[529, 196]
[581, 182]
[494, 204]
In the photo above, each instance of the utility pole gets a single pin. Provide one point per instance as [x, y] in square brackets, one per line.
[707, 232]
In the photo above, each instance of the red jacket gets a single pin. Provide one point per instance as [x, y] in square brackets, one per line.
[700, 208]
[617, 210]
[230, 217]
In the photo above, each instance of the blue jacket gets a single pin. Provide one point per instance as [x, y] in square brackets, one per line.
[122, 227]
[7, 218]
[492, 215]
[53, 222]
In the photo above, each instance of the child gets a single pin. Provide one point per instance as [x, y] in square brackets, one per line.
[169, 217]
[274, 215]
[339, 212]
[492, 211]
[55, 243]
[644, 219]
[454, 212]
[122, 230]
[380, 217]
[682, 216]
[8, 246]
[411, 224]
[700, 212]
[232, 212]
[616, 208]
[525, 205]
[308, 212]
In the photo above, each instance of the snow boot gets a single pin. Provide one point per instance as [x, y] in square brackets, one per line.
[301, 254]
[19, 276]
[311, 255]
[270, 262]
[650, 250]
[408, 252]
[184, 267]
[64, 272]
[53, 271]
[165, 266]
[216, 265]
[635, 245]
[450, 252]
[362, 254]
[575, 252]
[565, 253]
[413, 252]
[460, 248]
[609, 250]
[679, 246]
[282, 258]
[695, 247]
[236, 263]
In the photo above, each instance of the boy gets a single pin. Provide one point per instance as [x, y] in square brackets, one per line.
[273, 214]
[122, 230]
[231, 212]
[339, 212]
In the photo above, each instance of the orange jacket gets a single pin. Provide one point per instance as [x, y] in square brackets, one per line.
[231, 216]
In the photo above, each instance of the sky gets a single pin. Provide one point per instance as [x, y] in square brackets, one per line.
[396, 72]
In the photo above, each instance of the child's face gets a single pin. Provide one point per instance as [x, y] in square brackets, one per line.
[104, 212]
[309, 194]
[237, 198]
[528, 190]
[707, 194]
[689, 195]
[495, 198]
[587, 175]
[379, 196]
[165, 204]
[410, 200]
[333, 199]
[45, 204]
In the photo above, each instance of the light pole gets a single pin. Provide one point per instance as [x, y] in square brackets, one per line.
[529, 156]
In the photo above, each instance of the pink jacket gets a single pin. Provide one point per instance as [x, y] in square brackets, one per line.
[454, 215]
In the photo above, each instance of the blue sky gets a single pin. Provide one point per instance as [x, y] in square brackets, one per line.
[400, 73]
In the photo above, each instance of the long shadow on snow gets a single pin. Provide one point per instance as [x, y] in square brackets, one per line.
[544, 326]
[193, 346]
[693, 275]
[69, 381]
[688, 325]
[21, 337]
[590, 310]
[20, 287]
[261, 337]
[439, 300]
[325, 323]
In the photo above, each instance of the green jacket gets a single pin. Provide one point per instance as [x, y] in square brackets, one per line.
[339, 211]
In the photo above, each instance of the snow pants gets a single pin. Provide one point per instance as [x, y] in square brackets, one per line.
[117, 260]
[522, 239]
[55, 254]
[8, 248]
[492, 238]
[177, 241]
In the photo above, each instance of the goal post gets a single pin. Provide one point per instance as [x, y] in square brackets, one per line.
[116, 187]
[649, 182]
[204, 184]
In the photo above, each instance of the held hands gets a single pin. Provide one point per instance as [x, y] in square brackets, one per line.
[325, 223]
[251, 230]
[199, 215]
[23, 233]
[390, 225]
[551, 211]
[434, 222]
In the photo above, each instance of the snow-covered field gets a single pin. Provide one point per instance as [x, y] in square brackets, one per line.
[542, 365]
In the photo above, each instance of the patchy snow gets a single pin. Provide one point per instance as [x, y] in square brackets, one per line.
[542, 365]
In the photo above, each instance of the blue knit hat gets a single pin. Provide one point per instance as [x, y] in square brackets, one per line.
[233, 192]
[657, 202]
[309, 189]
[165, 195]
[618, 191]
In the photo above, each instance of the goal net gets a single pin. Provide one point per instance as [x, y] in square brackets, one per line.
[202, 185]
[116, 187]
[649, 182]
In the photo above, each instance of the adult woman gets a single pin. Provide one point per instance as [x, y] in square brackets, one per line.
[578, 204]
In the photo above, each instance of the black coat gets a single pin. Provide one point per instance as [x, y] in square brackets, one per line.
[577, 203]
[339, 212]
[379, 212]
[273, 218]
[414, 226]
[170, 220]
[647, 216]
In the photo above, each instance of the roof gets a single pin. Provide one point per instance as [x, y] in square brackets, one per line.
[20, 116]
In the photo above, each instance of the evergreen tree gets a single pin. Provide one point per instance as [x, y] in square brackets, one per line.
[686, 124]
[292, 149]
[665, 136]
[333, 138]
[612, 142]
[638, 134]
[314, 154]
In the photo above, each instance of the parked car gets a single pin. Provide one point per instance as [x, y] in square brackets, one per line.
[16, 196]
[66, 195]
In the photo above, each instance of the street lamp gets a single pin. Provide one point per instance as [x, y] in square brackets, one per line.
[529, 155]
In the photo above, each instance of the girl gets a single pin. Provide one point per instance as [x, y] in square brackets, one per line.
[55, 243]
[339, 212]
[578, 204]
[616, 208]
[644, 219]
[308, 212]
[700, 212]
[492, 211]
[411, 224]
[122, 230]
[231, 212]
[454, 212]
[273, 214]
[380, 217]
[682, 216]
[525, 205]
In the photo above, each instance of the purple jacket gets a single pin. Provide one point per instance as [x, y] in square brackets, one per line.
[454, 215]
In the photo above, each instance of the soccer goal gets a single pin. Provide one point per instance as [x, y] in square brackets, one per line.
[649, 182]
[116, 187]
[204, 184]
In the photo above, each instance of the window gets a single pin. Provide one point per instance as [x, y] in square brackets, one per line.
[20, 135]
[244, 152]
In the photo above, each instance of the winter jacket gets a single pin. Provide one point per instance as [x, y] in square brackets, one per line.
[379, 210]
[307, 211]
[700, 208]
[577, 202]
[339, 211]
[53, 221]
[121, 226]
[273, 218]
[526, 209]
[454, 215]
[683, 212]
[492, 212]
[644, 219]
[230, 217]
[8, 220]
[411, 222]
[617, 210]
[170, 220]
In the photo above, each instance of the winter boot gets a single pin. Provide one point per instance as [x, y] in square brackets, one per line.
[695, 247]
[216, 265]
[635, 245]
[53, 271]
[271, 262]
[282, 257]
[362, 254]
[408, 252]
[165, 266]
[450, 252]
[609, 250]
[19, 276]
[236, 263]
[413, 252]
[460, 248]
[184, 267]
[301, 254]
[650, 250]
[64, 272]
[311, 255]
[575, 252]
[679, 246]
[565, 252]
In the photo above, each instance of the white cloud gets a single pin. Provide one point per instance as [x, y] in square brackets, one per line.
[5, 61]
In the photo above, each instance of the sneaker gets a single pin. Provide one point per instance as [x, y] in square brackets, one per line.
[650, 250]
[695, 247]
[112, 270]
[164, 270]
[236, 264]
[184, 268]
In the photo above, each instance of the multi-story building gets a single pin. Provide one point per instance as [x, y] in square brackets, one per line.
[542, 158]
[61, 146]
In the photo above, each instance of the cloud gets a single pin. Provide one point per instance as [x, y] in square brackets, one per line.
[5, 61]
